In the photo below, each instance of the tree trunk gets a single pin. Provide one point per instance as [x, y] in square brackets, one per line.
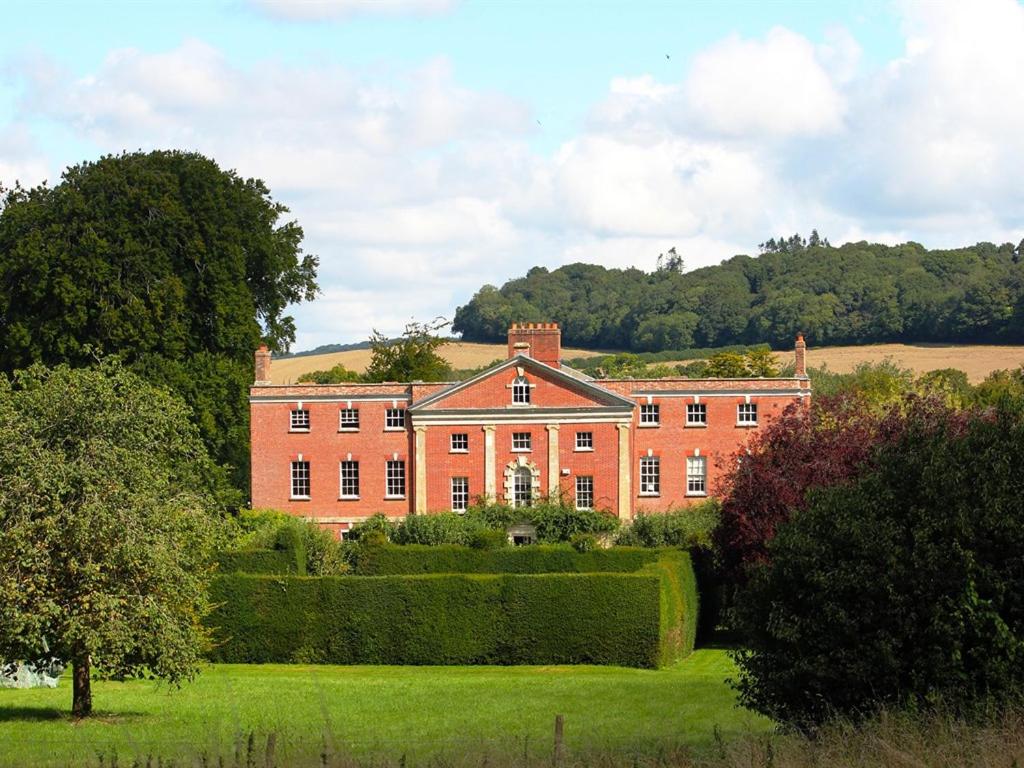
[81, 705]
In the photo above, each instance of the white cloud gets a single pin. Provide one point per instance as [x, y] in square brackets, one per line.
[329, 10]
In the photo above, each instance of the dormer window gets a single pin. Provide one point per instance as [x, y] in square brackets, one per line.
[520, 391]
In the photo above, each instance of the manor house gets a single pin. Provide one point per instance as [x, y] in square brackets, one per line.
[524, 428]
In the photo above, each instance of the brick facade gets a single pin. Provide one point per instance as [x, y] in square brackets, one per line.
[481, 414]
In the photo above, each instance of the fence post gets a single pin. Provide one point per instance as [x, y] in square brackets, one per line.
[271, 748]
[559, 755]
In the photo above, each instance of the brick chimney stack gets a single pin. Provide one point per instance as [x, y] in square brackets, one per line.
[262, 366]
[541, 341]
[800, 355]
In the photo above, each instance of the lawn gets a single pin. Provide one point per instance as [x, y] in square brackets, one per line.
[382, 711]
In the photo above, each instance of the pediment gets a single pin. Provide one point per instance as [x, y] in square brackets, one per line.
[550, 388]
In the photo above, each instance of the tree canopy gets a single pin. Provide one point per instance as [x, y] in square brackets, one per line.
[107, 525]
[176, 265]
[853, 294]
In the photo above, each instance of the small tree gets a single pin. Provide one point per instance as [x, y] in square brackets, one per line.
[412, 357]
[106, 525]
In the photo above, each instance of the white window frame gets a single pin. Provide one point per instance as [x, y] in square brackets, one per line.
[352, 467]
[696, 409]
[696, 476]
[348, 425]
[650, 474]
[650, 415]
[394, 420]
[584, 441]
[521, 390]
[744, 412]
[394, 476]
[584, 491]
[463, 446]
[300, 474]
[520, 475]
[460, 494]
[523, 447]
[298, 420]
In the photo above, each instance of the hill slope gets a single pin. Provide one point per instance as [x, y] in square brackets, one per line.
[858, 293]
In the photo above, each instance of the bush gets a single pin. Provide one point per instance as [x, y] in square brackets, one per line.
[410, 559]
[903, 587]
[584, 542]
[301, 546]
[484, 539]
[690, 528]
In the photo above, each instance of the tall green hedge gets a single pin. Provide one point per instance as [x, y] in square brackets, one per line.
[287, 556]
[643, 618]
[387, 560]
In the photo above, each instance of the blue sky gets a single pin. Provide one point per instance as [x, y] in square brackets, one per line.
[430, 146]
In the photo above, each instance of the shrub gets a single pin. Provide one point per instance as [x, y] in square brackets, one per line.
[301, 546]
[485, 539]
[584, 542]
[690, 528]
[901, 588]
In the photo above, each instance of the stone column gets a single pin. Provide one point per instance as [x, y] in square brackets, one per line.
[490, 485]
[625, 464]
[420, 490]
[554, 464]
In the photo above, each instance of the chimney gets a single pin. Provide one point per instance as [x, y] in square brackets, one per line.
[541, 341]
[262, 366]
[800, 355]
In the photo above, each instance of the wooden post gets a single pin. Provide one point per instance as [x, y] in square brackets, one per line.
[559, 745]
[271, 748]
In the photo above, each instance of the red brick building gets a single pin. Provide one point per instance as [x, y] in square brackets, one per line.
[524, 428]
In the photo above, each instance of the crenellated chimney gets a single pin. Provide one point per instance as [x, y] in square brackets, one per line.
[800, 355]
[541, 341]
[262, 366]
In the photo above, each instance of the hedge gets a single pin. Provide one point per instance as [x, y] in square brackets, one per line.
[641, 619]
[387, 560]
[287, 557]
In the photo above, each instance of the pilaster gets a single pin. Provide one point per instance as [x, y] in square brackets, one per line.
[490, 481]
[554, 468]
[625, 464]
[420, 489]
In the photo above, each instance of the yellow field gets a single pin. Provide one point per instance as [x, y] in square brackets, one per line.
[976, 361]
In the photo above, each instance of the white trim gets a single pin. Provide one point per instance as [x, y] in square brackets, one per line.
[449, 420]
[328, 399]
[734, 393]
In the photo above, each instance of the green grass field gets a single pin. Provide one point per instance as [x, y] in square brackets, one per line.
[381, 711]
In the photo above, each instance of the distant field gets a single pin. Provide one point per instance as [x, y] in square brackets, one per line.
[975, 360]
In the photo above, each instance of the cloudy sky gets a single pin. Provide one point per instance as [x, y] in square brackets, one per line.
[431, 146]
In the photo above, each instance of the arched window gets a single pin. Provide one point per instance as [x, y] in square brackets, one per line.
[520, 391]
[522, 487]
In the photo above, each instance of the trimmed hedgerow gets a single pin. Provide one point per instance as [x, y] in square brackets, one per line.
[259, 561]
[643, 618]
[609, 618]
[384, 560]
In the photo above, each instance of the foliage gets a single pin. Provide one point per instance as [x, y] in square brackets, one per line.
[266, 541]
[339, 374]
[584, 542]
[556, 520]
[857, 293]
[177, 266]
[828, 443]
[107, 526]
[413, 357]
[393, 560]
[1001, 388]
[877, 385]
[735, 365]
[689, 527]
[903, 587]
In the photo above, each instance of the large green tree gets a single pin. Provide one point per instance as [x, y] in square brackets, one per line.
[176, 265]
[107, 525]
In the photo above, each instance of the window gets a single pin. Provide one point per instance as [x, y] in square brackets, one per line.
[394, 418]
[300, 479]
[460, 494]
[348, 420]
[696, 414]
[584, 492]
[395, 488]
[522, 487]
[460, 442]
[350, 479]
[584, 441]
[650, 476]
[520, 391]
[696, 476]
[520, 441]
[300, 420]
[746, 413]
[650, 415]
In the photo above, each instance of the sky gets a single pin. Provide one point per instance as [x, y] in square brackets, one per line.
[428, 147]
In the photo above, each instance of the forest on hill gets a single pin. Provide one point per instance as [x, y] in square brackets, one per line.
[856, 293]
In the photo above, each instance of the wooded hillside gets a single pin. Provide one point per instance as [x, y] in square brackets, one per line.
[857, 293]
